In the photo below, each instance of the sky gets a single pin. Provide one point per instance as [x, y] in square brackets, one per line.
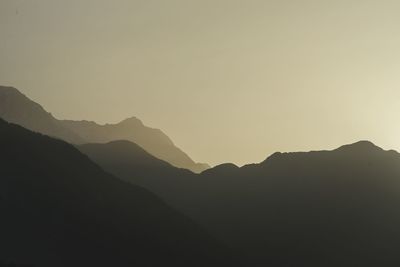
[227, 80]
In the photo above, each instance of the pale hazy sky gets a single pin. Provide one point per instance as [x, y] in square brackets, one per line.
[227, 80]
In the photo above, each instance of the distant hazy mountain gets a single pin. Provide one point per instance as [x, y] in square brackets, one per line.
[58, 208]
[152, 140]
[17, 108]
[324, 208]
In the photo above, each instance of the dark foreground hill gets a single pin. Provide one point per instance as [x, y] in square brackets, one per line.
[324, 208]
[58, 208]
[19, 109]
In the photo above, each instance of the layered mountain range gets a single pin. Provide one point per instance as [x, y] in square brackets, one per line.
[58, 208]
[322, 208]
[303, 209]
[15, 107]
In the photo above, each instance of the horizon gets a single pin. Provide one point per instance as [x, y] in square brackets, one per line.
[227, 82]
[222, 163]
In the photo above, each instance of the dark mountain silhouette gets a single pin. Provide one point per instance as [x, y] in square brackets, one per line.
[322, 208]
[58, 208]
[222, 169]
[17, 108]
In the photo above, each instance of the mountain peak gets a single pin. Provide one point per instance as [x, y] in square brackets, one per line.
[360, 146]
[9, 91]
[132, 120]
[363, 146]
[222, 169]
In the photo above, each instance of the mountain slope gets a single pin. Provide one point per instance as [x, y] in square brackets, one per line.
[133, 164]
[60, 209]
[17, 108]
[322, 208]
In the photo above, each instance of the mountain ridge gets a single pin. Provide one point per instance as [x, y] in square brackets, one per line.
[17, 108]
[317, 208]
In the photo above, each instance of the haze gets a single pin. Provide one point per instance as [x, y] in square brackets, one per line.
[228, 81]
